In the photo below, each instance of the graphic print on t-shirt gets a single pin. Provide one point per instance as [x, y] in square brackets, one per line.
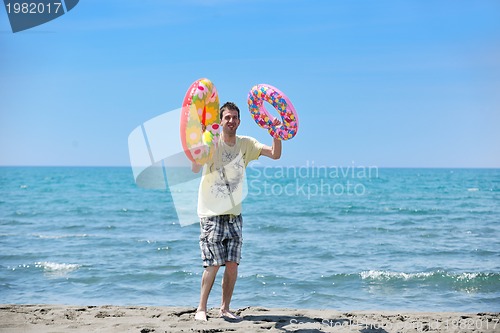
[230, 174]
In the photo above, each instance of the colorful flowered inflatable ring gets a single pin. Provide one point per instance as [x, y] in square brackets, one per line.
[200, 108]
[290, 122]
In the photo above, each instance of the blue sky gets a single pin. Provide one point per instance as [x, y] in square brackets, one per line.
[379, 83]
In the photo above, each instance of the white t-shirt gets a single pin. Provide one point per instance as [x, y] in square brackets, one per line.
[221, 187]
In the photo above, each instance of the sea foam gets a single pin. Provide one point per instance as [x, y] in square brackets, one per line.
[56, 267]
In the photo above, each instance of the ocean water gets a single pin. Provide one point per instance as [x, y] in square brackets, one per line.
[353, 238]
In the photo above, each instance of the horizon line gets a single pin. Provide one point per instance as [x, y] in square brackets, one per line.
[259, 166]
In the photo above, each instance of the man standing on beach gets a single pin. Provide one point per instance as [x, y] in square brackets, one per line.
[219, 206]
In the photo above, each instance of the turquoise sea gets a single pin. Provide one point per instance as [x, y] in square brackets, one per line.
[351, 238]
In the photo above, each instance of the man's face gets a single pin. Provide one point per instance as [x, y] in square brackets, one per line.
[230, 121]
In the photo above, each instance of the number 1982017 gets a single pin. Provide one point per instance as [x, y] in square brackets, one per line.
[34, 8]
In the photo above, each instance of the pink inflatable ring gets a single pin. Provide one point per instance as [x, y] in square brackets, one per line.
[290, 122]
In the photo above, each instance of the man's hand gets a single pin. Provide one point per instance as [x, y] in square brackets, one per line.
[276, 122]
[273, 152]
[195, 167]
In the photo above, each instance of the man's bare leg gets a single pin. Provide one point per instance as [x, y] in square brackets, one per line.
[207, 281]
[228, 282]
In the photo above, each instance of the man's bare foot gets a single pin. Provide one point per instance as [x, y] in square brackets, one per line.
[226, 314]
[201, 315]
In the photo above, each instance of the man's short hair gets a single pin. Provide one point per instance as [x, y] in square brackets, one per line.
[229, 106]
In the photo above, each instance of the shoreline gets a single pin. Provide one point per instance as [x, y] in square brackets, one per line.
[147, 319]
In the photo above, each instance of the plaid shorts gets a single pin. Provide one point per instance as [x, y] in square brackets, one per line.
[221, 239]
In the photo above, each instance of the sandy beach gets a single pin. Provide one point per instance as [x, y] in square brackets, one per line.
[143, 319]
